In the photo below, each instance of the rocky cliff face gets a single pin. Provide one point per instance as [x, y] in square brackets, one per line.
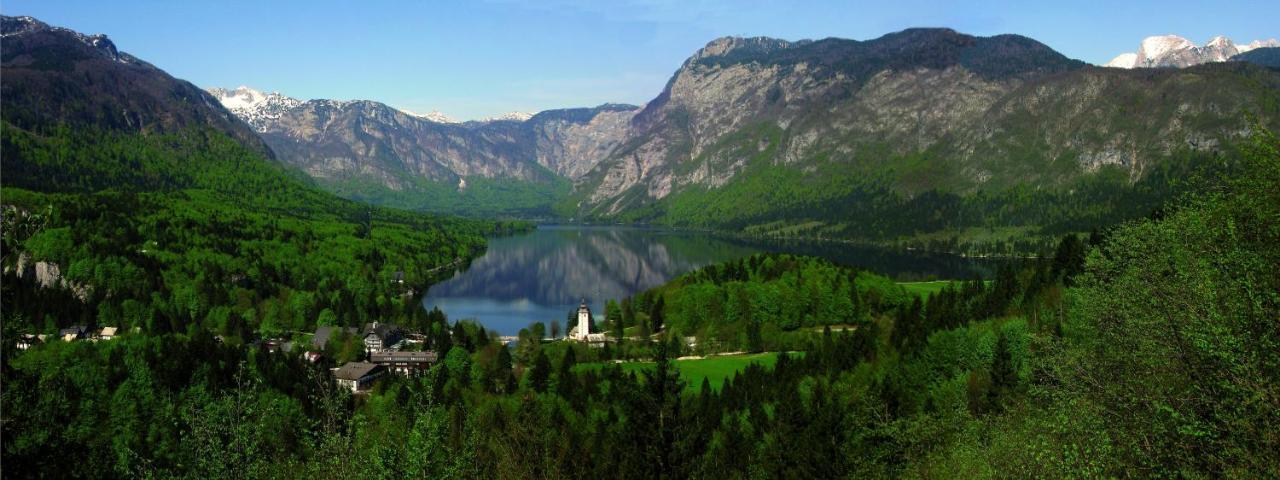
[898, 94]
[368, 140]
[914, 111]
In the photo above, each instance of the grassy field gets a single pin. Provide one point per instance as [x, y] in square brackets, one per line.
[715, 369]
[924, 289]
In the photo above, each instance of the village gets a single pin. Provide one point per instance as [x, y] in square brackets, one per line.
[384, 350]
[387, 348]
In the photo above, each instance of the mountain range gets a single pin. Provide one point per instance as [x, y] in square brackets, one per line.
[1176, 51]
[516, 163]
[916, 133]
[924, 130]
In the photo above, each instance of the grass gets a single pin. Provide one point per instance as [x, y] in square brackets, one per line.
[924, 289]
[715, 369]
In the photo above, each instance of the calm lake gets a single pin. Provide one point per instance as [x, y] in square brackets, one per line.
[542, 275]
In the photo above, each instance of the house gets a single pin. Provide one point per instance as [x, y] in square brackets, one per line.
[323, 334]
[358, 376]
[27, 340]
[405, 363]
[107, 333]
[78, 332]
[313, 357]
[379, 337]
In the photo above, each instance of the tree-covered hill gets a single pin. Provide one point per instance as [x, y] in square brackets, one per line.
[1147, 351]
[155, 208]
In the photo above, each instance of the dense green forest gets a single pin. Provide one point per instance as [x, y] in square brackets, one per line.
[191, 231]
[1148, 350]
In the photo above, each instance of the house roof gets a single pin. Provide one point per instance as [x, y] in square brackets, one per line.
[382, 330]
[76, 330]
[108, 331]
[356, 370]
[391, 357]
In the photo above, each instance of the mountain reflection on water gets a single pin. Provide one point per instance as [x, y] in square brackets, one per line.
[543, 275]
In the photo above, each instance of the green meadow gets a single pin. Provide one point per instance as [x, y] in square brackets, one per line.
[924, 289]
[715, 369]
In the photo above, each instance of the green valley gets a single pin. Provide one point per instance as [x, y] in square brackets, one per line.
[922, 255]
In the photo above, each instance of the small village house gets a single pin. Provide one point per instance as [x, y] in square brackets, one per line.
[27, 340]
[380, 337]
[78, 332]
[107, 333]
[405, 363]
[358, 376]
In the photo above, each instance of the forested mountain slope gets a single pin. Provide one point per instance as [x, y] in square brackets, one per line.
[154, 207]
[918, 131]
[58, 75]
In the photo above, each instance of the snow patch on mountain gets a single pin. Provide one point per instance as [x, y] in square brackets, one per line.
[1124, 60]
[1161, 45]
[432, 116]
[510, 117]
[1176, 51]
[1256, 44]
[255, 107]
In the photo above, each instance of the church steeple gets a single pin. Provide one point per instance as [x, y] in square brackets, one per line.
[584, 321]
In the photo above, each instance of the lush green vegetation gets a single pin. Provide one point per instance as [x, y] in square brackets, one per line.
[191, 232]
[1146, 351]
[715, 369]
[924, 289]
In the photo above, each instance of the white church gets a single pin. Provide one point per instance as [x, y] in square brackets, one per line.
[582, 331]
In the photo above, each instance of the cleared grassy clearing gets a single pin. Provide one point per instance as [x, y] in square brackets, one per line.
[715, 369]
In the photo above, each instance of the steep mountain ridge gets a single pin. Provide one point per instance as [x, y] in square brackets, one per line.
[371, 151]
[1176, 51]
[1265, 56]
[54, 75]
[749, 133]
[901, 92]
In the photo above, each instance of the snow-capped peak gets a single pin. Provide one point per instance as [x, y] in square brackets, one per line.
[510, 116]
[1176, 51]
[1161, 45]
[432, 116]
[1258, 44]
[254, 106]
[1124, 60]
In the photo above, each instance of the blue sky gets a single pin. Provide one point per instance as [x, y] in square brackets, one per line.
[479, 58]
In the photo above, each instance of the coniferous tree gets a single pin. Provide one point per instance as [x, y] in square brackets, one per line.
[565, 381]
[540, 372]
[502, 368]
[628, 312]
[656, 314]
[1004, 374]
